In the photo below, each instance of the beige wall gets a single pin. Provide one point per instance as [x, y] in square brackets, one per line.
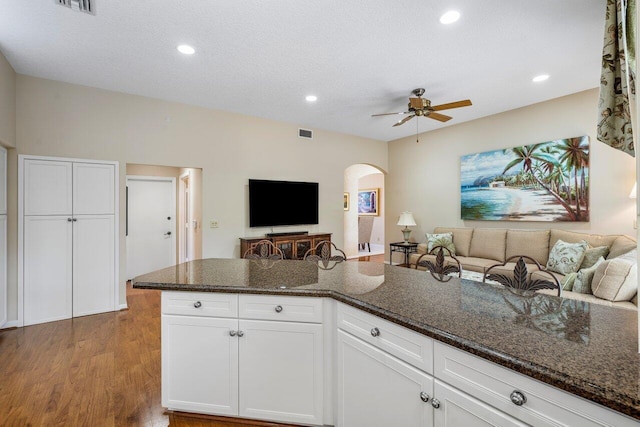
[425, 177]
[7, 103]
[60, 119]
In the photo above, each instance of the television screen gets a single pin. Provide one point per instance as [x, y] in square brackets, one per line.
[274, 203]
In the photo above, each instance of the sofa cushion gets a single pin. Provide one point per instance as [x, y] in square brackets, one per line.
[591, 299]
[547, 275]
[584, 277]
[489, 243]
[616, 279]
[592, 255]
[441, 239]
[621, 245]
[566, 257]
[475, 264]
[534, 244]
[567, 281]
[594, 240]
[461, 238]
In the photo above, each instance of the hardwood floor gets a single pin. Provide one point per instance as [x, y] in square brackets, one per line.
[101, 370]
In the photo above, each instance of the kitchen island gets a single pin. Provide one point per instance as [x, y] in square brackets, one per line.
[465, 334]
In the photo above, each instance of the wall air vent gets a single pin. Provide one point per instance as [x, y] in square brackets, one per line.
[86, 6]
[305, 133]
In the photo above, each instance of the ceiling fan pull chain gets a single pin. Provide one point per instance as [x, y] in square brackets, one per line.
[417, 122]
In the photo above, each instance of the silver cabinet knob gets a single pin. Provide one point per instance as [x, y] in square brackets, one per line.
[435, 403]
[518, 398]
[278, 308]
[424, 396]
[197, 304]
[240, 333]
[69, 219]
[375, 332]
[232, 333]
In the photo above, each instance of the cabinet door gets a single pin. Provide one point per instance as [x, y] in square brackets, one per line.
[281, 371]
[93, 188]
[47, 187]
[460, 409]
[286, 246]
[3, 270]
[200, 364]
[47, 268]
[302, 246]
[94, 279]
[376, 389]
[3, 181]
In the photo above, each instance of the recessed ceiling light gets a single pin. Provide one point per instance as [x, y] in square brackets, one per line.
[450, 17]
[540, 78]
[186, 49]
[311, 98]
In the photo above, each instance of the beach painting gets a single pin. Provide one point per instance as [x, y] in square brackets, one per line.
[548, 181]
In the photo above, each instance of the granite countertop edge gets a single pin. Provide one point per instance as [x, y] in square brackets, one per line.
[576, 386]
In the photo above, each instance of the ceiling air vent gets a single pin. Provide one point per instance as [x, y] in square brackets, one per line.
[305, 133]
[86, 6]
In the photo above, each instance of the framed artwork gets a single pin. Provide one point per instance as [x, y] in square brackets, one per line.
[547, 181]
[346, 201]
[368, 201]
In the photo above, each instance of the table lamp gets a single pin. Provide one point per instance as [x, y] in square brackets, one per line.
[406, 219]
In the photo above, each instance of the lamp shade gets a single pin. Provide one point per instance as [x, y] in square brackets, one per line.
[406, 219]
[633, 193]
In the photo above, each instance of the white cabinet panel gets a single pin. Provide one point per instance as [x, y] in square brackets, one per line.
[209, 304]
[93, 260]
[459, 409]
[376, 389]
[47, 268]
[3, 270]
[282, 308]
[93, 188]
[47, 187]
[281, 371]
[200, 364]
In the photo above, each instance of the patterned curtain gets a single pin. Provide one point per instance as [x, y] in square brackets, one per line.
[618, 75]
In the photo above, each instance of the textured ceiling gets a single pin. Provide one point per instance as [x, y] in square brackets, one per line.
[262, 57]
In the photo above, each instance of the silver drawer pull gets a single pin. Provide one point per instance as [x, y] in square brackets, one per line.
[424, 397]
[375, 332]
[197, 304]
[240, 333]
[518, 398]
[435, 403]
[278, 308]
[232, 333]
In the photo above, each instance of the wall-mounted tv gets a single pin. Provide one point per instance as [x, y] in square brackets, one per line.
[273, 203]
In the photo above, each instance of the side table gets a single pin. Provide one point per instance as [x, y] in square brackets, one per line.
[405, 248]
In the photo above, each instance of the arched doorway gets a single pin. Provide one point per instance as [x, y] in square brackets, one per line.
[364, 177]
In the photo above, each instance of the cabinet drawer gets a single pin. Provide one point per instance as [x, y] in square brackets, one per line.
[545, 405]
[405, 344]
[274, 307]
[199, 304]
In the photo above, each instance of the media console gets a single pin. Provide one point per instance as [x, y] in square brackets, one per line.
[293, 246]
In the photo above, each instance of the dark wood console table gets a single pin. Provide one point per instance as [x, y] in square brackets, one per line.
[293, 246]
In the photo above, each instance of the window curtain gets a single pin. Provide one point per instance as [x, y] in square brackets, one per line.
[617, 88]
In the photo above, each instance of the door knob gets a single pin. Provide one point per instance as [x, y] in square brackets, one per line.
[240, 333]
[435, 403]
[278, 308]
[424, 396]
[168, 233]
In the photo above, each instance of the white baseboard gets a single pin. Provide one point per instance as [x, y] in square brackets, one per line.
[123, 307]
[11, 324]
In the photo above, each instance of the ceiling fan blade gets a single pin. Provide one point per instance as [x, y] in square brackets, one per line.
[439, 117]
[456, 104]
[405, 120]
[388, 114]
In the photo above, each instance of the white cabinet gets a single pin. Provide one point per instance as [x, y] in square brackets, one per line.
[67, 238]
[377, 389]
[265, 369]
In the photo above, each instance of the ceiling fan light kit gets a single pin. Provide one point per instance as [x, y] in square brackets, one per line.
[421, 107]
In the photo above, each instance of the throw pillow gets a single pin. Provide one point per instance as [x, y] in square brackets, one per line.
[582, 284]
[443, 239]
[567, 281]
[617, 279]
[566, 258]
[592, 255]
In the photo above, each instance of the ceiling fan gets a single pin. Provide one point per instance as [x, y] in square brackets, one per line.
[422, 107]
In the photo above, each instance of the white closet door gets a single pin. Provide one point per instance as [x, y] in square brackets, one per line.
[3, 270]
[3, 181]
[47, 268]
[47, 187]
[93, 261]
[93, 188]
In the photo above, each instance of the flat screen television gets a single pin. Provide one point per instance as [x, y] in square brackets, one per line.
[273, 203]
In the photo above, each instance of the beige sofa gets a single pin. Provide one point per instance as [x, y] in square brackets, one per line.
[479, 248]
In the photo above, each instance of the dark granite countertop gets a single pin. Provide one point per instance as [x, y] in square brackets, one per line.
[586, 349]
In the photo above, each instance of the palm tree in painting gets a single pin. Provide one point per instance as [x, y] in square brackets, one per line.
[575, 156]
[529, 154]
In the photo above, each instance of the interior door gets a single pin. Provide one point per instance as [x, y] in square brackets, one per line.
[151, 224]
